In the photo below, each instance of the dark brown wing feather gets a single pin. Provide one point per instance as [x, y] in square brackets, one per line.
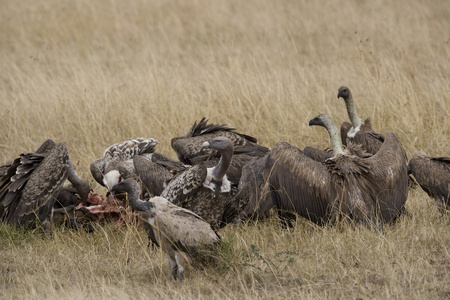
[366, 136]
[154, 175]
[251, 200]
[37, 196]
[370, 141]
[383, 179]
[433, 175]
[317, 155]
[298, 183]
[189, 147]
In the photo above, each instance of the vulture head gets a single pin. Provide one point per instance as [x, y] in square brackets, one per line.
[125, 186]
[220, 144]
[322, 120]
[344, 92]
[328, 123]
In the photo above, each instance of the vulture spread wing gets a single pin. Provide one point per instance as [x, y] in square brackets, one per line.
[252, 199]
[298, 183]
[388, 178]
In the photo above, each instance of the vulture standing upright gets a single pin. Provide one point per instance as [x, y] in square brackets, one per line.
[183, 235]
[117, 161]
[433, 175]
[31, 183]
[359, 131]
[366, 189]
[205, 191]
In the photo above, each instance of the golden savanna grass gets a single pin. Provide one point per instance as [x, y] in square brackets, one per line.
[94, 73]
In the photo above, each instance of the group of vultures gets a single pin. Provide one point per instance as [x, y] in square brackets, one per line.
[222, 177]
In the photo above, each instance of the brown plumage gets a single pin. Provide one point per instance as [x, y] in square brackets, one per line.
[189, 150]
[156, 171]
[252, 200]
[367, 189]
[433, 175]
[205, 191]
[317, 154]
[359, 131]
[31, 183]
[183, 235]
[117, 161]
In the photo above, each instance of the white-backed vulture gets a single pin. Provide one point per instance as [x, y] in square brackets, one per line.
[433, 176]
[359, 131]
[367, 189]
[190, 151]
[183, 235]
[117, 161]
[205, 191]
[32, 182]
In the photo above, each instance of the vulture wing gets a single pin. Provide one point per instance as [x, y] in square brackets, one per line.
[298, 183]
[433, 175]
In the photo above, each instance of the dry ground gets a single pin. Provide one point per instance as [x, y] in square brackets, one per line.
[93, 73]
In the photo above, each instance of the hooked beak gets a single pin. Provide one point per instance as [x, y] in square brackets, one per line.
[315, 121]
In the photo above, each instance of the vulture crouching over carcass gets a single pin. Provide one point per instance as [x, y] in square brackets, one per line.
[31, 183]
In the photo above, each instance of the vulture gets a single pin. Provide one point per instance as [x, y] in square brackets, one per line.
[31, 184]
[252, 199]
[190, 151]
[183, 235]
[359, 131]
[156, 171]
[433, 175]
[205, 191]
[368, 189]
[317, 154]
[117, 161]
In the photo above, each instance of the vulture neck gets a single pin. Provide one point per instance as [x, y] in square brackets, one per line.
[79, 184]
[334, 137]
[356, 121]
[221, 169]
[133, 193]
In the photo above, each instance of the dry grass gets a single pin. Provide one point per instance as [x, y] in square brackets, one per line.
[93, 73]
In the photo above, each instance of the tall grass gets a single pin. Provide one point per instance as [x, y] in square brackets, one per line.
[94, 73]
